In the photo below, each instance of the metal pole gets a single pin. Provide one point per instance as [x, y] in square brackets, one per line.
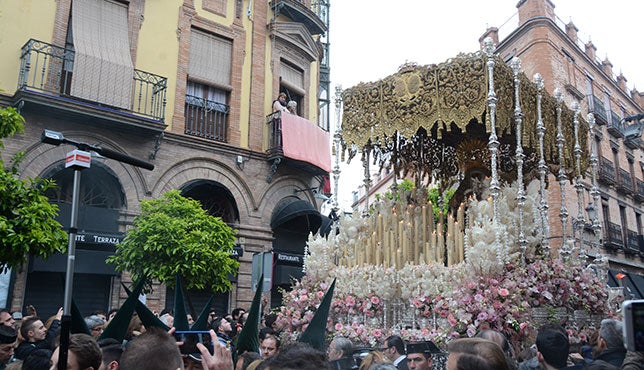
[69, 275]
[71, 249]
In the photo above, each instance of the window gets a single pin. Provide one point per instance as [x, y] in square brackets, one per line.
[622, 217]
[292, 84]
[589, 93]
[207, 92]
[607, 107]
[206, 112]
[103, 69]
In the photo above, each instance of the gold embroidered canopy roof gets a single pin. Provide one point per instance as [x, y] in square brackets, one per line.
[444, 99]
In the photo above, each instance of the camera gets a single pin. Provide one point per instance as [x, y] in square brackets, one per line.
[633, 312]
[190, 340]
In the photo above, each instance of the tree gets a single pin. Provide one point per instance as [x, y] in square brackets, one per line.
[27, 224]
[174, 235]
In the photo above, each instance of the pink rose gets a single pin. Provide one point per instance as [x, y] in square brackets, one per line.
[375, 300]
[350, 301]
[452, 320]
[304, 298]
[320, 294]
[504, 292]
[338, 326]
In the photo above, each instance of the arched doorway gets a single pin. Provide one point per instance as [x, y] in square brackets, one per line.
[292, 221]
[218, 201]
[102, 199]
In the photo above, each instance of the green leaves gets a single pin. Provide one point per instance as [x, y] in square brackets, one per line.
[174, 235]
[10, 123]
[27, 224]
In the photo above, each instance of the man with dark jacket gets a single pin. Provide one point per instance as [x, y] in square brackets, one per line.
[8, 336]
[36, 336]
[552, 348]
[611, 342]
[394, 349]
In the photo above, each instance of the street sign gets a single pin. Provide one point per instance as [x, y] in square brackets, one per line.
[78, 158]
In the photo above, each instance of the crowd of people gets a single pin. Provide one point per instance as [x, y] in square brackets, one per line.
[29, 343]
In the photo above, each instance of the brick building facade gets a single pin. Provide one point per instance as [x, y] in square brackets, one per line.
[199, 79]
[548, 46]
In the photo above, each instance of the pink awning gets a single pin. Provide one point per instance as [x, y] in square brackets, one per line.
[305, 141]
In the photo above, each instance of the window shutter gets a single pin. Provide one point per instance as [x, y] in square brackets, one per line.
[210, 58]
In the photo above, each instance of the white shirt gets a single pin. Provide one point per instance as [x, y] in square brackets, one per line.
[399, 359]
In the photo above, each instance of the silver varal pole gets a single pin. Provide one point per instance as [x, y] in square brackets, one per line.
[337, 138]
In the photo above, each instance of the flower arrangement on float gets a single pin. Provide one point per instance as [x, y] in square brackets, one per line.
[499, 285]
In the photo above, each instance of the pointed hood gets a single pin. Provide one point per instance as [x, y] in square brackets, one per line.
[180, 315]
[314, 333]
[201, 323]
[117, 328]
[148, 318]
[248, 339]
[78, 322]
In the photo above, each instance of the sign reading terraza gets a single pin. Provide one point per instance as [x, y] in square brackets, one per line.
[96, 238]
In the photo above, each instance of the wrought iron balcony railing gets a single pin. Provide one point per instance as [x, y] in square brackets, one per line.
[48, 69]
[615, 126]
[632, 242]
[626, 181]
[206, 118]
[613, 236]
[639, 194]
[600, 111]
[607, 173]
[312, 14]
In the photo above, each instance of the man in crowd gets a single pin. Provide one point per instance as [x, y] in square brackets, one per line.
[269, 347]
[419, 355]
[8, 336]
[153, 350]
[340, 347]
[552, 348]
[36, 336]
[111, 351]
[611, 342]
[340, 353]
[298, 356]
[6, 318]
[83, 354]
[394, 349]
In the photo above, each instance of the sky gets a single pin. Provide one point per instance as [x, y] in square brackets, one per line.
[370, 39]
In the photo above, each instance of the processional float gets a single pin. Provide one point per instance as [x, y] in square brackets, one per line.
[498, 141]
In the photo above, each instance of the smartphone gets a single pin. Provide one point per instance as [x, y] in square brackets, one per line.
[633, 312]
[190, 340]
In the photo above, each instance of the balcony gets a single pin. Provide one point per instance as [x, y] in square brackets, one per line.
[297, 142]
[598, 109]
[207, 119]
[613, 237]
[46, 72]
[632, 243]
[633, 135]
[639, 194]
[311, 16]
[625, 182]
[607, 173]
[615, 127]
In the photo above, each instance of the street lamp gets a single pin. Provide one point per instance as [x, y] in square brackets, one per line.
[78, 159]
[591, 211]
